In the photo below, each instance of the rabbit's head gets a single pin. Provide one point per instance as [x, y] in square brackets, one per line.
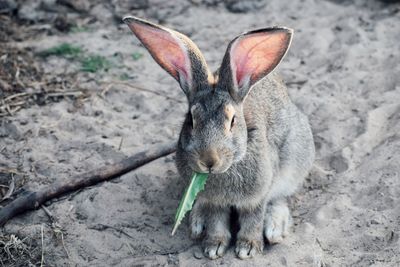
[214, 133]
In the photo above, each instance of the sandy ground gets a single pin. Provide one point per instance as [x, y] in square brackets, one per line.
[342, 71]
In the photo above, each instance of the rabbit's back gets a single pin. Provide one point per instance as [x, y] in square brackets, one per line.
[290, 144]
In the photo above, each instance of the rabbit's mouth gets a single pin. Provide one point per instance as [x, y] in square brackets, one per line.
[211, 171]
[214, 171]
[215, 167]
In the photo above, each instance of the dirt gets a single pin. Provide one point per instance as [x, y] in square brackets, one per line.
[342, 71]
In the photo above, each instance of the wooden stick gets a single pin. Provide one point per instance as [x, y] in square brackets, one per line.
[33, 200]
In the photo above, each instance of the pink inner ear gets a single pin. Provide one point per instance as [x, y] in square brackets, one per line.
[256, 55]
[165, 49]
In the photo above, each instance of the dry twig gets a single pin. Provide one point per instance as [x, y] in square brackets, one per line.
[11, 104]
[33, 200]
[42, 258]
[57, 229]
[138, 88]
[11, 188]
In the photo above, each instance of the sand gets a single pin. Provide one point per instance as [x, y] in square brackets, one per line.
[342, 71]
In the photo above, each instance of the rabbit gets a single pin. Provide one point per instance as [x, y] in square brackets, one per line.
[242, 129]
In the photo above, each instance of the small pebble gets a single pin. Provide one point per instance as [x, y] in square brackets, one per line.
[23, 122]
[374, 221]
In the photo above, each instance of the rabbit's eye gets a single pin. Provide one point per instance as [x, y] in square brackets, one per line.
[233, 122]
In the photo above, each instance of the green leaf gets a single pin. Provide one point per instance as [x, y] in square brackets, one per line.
[196, 185]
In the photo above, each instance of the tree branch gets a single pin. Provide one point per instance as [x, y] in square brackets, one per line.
[33, 200]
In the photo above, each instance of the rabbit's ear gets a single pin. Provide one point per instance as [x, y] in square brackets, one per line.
[251, 56]
[173, 51]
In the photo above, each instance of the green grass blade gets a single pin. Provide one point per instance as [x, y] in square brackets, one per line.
[94, 63]
[64, 49]
[196, 185]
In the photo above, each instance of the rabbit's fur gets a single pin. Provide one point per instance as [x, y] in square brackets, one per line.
[243, 129]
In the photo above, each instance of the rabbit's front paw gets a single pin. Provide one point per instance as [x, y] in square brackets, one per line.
[277, 222]
[217, 234]
[196, 227]
[197, 220]
[211, 224]
[216, 247]
[248, 248]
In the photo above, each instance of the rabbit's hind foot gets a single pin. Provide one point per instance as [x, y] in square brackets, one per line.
[277, 221]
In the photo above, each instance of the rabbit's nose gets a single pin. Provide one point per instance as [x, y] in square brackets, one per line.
[209, 159]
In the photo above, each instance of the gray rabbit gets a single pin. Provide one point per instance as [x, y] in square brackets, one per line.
[242, 129]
